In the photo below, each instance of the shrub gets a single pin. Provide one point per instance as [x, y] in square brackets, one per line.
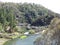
[1, 27]
[31, 31]
[23, 37]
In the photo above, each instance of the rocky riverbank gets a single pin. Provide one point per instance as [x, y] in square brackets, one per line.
[51, 36]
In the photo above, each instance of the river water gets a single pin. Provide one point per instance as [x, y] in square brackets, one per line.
[27, 41]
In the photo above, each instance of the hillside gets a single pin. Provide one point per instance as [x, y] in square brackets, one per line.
[33, 14]
[24, 19]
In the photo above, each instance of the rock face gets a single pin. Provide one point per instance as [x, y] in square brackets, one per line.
[50, 36]
[48, 39]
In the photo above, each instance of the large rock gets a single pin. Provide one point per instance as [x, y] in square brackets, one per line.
[48, 39]
[50, 36]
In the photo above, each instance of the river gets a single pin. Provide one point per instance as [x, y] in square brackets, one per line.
[27, 41]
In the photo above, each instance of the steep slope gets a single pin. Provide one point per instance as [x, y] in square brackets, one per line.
[50, 36]
[33, 14]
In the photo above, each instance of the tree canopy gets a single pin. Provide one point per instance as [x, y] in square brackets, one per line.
[33, 14]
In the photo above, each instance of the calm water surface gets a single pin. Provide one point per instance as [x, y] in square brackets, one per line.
[28, 41]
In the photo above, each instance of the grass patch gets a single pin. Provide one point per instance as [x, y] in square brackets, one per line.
[23, 37]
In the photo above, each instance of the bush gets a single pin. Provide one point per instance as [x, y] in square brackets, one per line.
[21, 29]
[31, 31]
[23, 37]
[1, 27]
[15, 29]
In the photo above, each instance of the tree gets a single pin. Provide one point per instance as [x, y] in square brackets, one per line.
[12, 20]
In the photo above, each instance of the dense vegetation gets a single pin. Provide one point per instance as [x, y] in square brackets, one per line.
[12, 14]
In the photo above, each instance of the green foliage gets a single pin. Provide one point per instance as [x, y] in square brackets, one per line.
[11, 13]
[7, 18]
[15, 29]
[35, 14]
[21, 29]
[23, 37]
[31, 31]
[1, 27]
[26, 13]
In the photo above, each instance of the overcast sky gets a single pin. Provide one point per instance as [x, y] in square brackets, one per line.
[53, 5]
